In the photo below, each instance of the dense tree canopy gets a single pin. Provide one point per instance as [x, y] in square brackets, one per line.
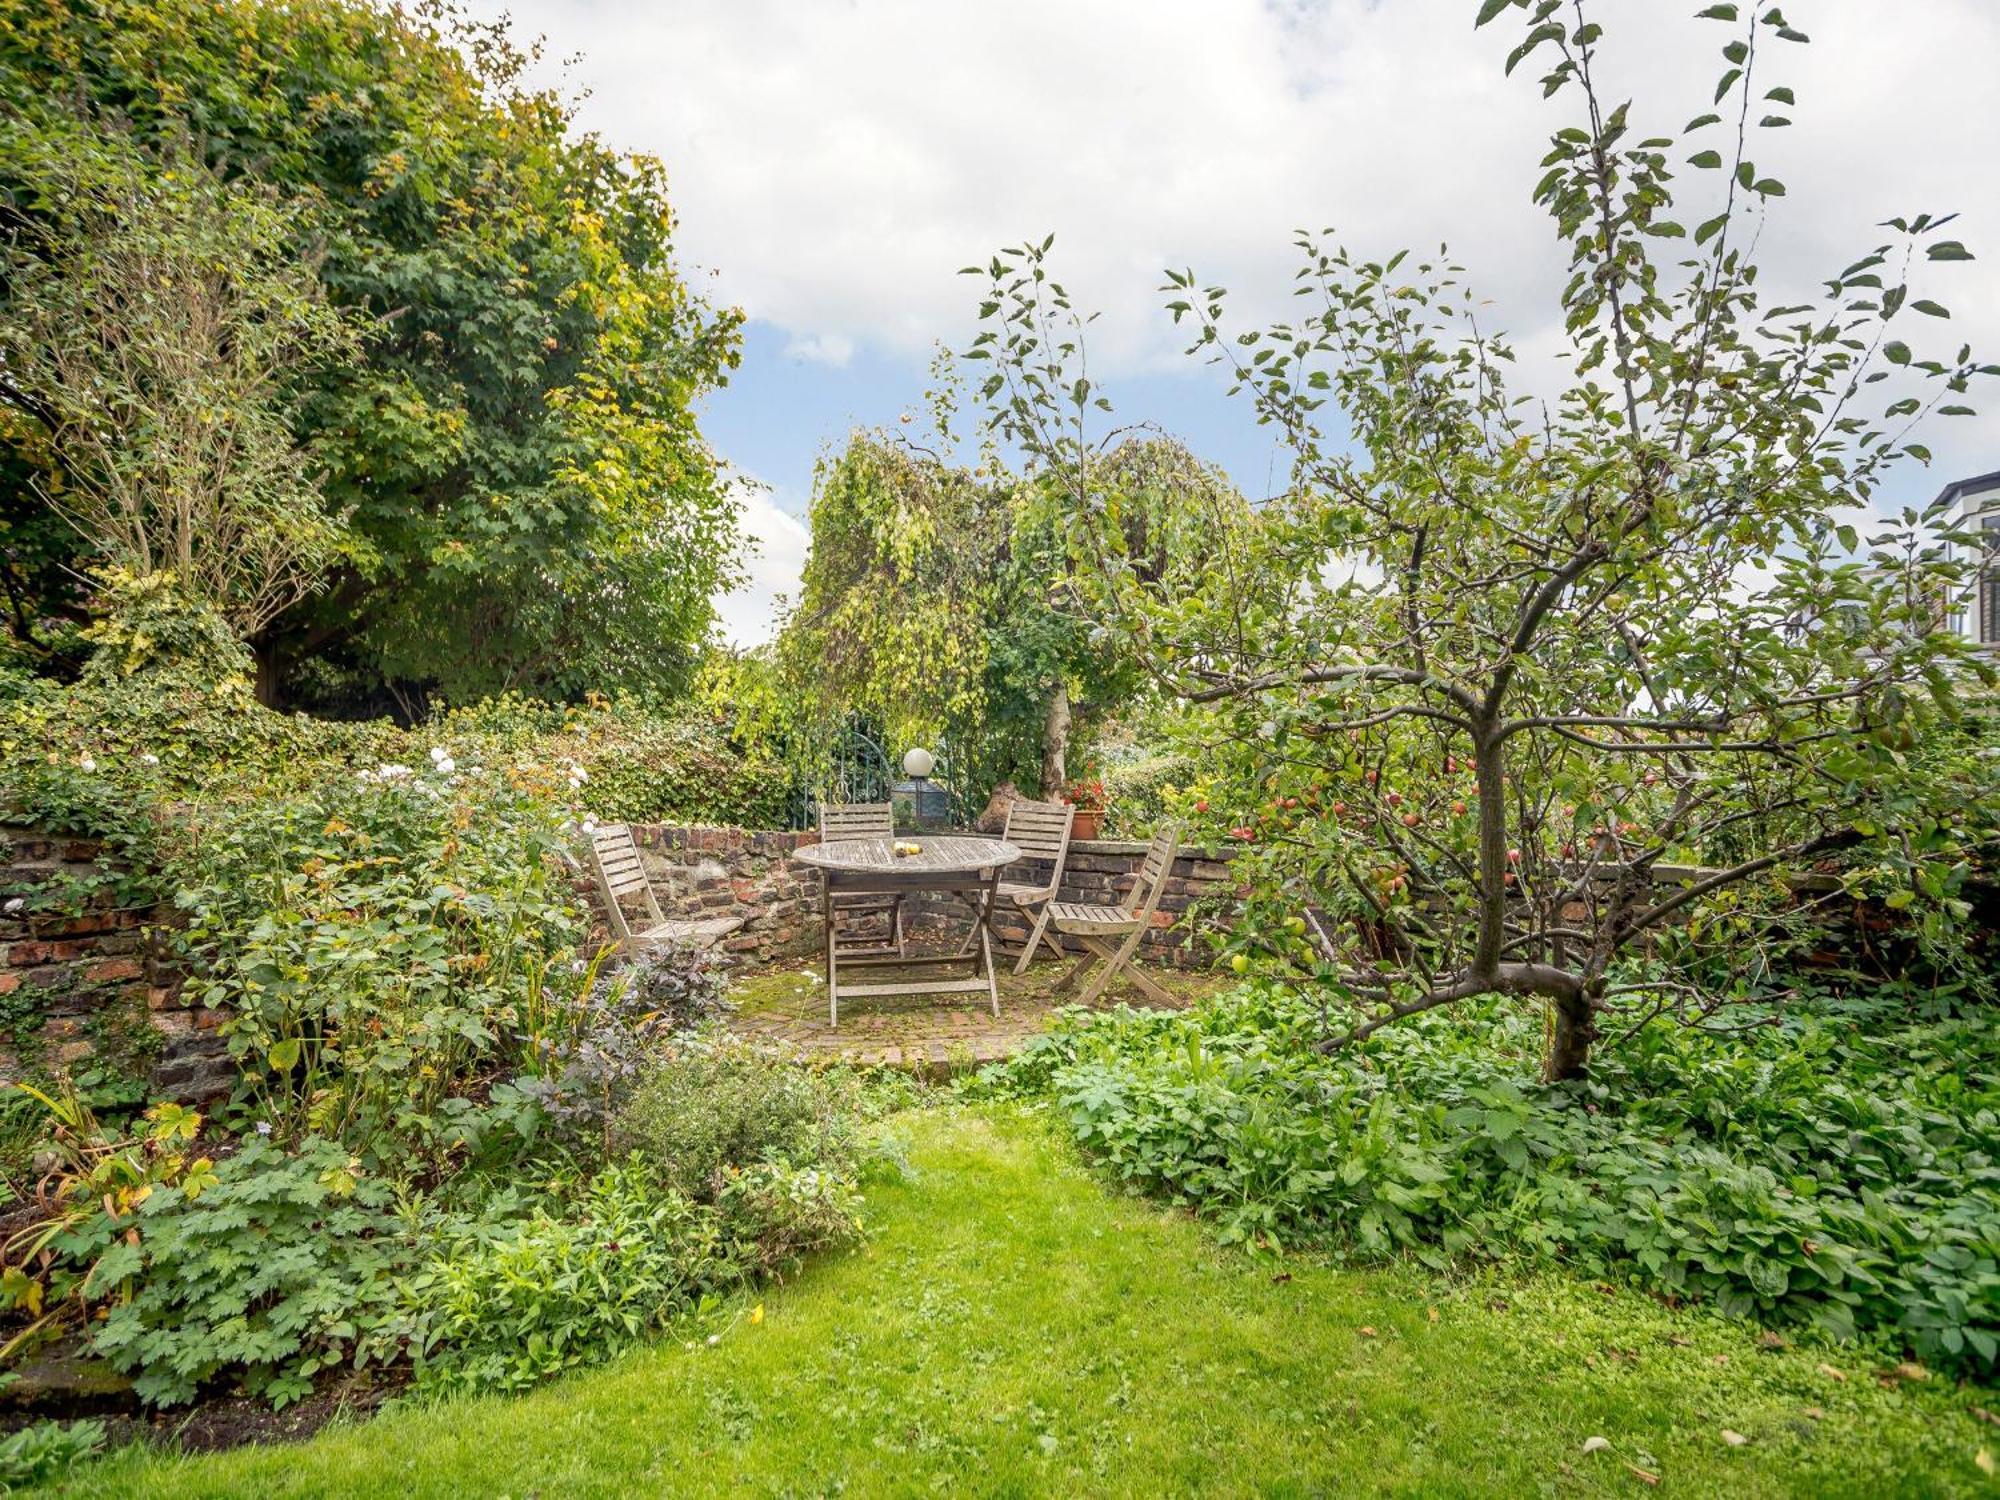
[527, 500]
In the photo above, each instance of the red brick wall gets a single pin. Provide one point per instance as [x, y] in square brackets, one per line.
[708, 872]
[87, 986]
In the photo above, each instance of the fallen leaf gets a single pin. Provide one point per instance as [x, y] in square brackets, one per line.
[1984, 1459]
[1720, 1359]
[1680, 1343]
[1909, 1369]
[756, 1315]
[1985, 1416]
[1817, 1413]
[1644, 1476]
[1734, 1438]
[1434, 1314]
[1281, 1278]
[1831, 1373]
[1596, 1444]
[1366, 1332]
[1769, 1340]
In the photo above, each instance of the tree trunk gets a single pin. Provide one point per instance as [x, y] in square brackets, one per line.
[1055, 741]
[269, 675]
[1572, 1028]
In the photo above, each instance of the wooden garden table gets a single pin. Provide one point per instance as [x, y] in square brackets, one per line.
[960, 864]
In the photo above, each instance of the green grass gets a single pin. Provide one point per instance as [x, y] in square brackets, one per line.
[1014, 1329]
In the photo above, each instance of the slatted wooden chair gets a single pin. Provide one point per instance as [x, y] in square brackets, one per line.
[1110, 934]
[1040, 830]
[863, 820]
[631, 908]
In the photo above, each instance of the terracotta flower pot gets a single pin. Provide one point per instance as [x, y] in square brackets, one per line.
[1089, 822]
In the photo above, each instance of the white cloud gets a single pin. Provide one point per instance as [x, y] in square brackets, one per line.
[833, 349]
[837, 163]
[749, 615]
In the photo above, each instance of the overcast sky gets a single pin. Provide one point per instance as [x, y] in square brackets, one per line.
[835, 162]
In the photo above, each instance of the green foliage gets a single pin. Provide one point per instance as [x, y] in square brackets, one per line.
[279, 1267]
[45, 1451]
[727, 1165]
[147, 625]
[1842, 1171]
[583, 1063]
[529, 503]
[936, 602]
[157, 325]
[1509, 635]
[505, 1307]
[370, 943]
[706, 1108]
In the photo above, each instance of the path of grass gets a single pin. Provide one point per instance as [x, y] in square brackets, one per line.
[1012, 1329]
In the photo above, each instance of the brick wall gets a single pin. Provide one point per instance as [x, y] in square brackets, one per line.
[711, 872]
[86, 985]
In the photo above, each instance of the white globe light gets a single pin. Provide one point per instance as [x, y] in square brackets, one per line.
[919, 763]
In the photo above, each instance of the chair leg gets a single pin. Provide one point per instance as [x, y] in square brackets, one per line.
[1035, 937]
[1114, 961]
[1068, 981]
[1157, 993]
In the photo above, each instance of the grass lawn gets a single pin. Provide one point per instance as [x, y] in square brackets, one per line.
[1014, 1329]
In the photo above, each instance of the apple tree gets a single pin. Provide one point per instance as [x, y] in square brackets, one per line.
[1519, 690]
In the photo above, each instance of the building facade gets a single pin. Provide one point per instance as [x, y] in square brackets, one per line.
[1977, 504]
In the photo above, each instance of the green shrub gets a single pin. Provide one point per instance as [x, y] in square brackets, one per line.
[276, 1267]
[372, 942]
[504, 1307]
[709, 1107]
[1841, 1170]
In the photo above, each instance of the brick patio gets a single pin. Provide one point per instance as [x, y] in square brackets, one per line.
[787, 1004]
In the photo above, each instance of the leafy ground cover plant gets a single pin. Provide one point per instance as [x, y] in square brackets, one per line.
[1838, 1170]
[276, 1267]
[369, 942]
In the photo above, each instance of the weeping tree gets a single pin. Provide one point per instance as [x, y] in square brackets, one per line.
[1519, 688]
[935, 600]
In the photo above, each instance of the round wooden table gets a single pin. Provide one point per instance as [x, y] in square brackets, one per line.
[965, 865]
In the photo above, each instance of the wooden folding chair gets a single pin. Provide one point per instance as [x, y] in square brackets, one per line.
[631, 909]
[1111, 934]
[863, 820]
[1040, 830]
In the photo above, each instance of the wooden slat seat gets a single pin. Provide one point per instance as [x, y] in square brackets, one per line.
[847, 821]
[1085, 916]
[632, 910]
[1040, 830]
[1111, 934]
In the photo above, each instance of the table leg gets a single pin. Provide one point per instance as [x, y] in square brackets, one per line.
[984, 922]
[832, 964]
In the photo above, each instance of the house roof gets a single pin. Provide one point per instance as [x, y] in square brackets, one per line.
[1959, 488]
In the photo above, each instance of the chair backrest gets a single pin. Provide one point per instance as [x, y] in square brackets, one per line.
[1040, 830]
[841, 821]
[621, 878]
[1144, 897]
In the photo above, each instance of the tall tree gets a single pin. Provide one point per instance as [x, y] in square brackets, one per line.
[938, 600]
[160, 322]
[1498, 664]
[529, 501]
